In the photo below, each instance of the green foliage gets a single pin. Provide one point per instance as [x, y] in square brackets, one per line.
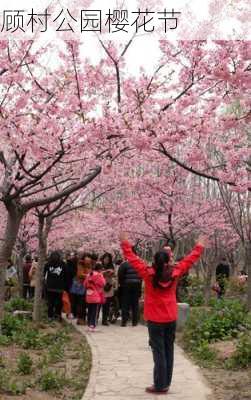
[24, 364]
[50, 380]
[204, 353]
[242, 356]
[60, 336]
[56, 353]
[12, 325]
[9, 385]
[50, 347]
[4, 340]
[193, 294]
[2, 361]
[18, 303]
[225, 319]
[82, 373]
[30, 339]
[15, 388]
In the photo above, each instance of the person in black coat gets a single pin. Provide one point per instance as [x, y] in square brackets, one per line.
[109, 273]
[222, 274]
[130, 284]
[55, 281]
[71, 269]
[71, 272]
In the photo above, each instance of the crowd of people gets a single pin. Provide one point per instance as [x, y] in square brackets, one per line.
[87, 287]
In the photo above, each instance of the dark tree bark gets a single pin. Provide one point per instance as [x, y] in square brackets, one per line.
[43, 231]
[13, 223]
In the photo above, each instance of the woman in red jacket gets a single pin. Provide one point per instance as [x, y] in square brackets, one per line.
[160, 306]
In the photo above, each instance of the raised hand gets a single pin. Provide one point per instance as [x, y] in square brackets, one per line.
[123, 236]
[203, 240]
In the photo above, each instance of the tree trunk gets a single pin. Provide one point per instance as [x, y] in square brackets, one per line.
[208, 284]
[43, 231]
[20, 265]
[248, 270]
[11, 231]
[207, 293]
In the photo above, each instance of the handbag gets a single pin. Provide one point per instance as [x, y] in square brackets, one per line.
[66, 303]
[77, 288]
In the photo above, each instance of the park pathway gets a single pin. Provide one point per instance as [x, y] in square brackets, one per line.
[122, 367]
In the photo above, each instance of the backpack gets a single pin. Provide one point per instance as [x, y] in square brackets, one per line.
[77, 288]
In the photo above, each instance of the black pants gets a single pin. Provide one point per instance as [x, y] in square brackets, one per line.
[55, 304]
[162, 336]
[92, 314]
[32, 292]
[27, 291]
[78, 306]
[106, 309]
[130, 302]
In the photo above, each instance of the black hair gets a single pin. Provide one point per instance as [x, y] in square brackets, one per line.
[85, 255]
[163, 272]
[28, 258]
[94, 257]
[55, 258]
[170, 243]
[98, 266]
[106, 255]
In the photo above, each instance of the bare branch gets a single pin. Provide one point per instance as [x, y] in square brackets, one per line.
[84, 182]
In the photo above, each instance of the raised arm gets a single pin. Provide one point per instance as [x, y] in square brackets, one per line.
[136, 262]
[184, 265]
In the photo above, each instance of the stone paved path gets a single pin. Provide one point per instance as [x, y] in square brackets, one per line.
[122, 367]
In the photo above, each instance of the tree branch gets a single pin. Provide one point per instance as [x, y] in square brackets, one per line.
[43, 201]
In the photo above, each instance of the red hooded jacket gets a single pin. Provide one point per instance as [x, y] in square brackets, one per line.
[160, 305]
[94, 284]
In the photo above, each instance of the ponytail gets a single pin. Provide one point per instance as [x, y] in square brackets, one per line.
[163, 273]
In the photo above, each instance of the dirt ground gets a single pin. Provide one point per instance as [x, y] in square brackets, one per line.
[74, 365]
[229, 385]
[226, 384]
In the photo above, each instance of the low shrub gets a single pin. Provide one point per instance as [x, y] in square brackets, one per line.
[12, 325]
[242, 356]
[10, 386]
[56, 353]
[204, 353]
[225, 319]
[193, 292]
[2, 361]
[30, 339]
[4, 340]
[18, 303]
[50, 380]
[24, 364]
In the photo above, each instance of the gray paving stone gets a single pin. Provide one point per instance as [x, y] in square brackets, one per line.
[122, 368]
